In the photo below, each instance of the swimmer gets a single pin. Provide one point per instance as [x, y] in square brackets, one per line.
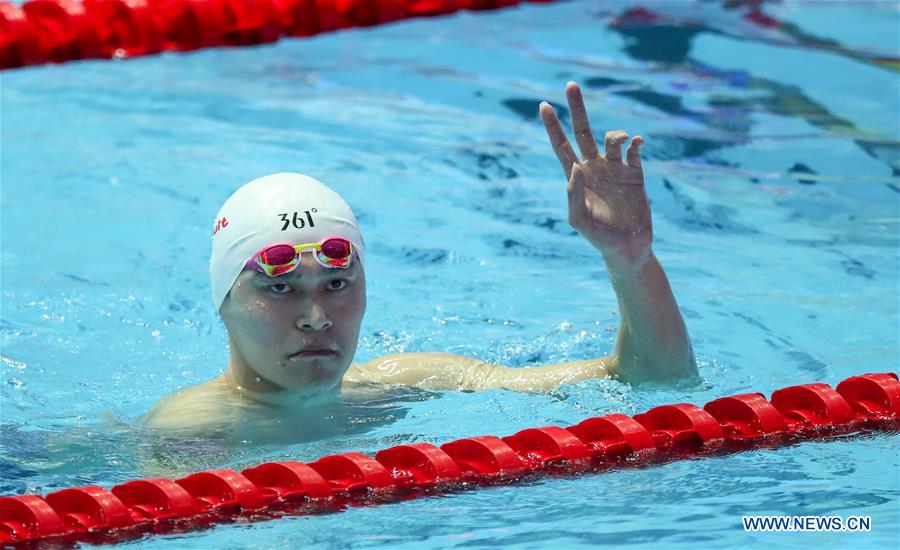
[289, 282]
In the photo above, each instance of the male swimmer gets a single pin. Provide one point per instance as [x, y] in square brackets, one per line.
[289, 283]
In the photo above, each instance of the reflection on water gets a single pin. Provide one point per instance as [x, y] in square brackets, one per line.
[125, 450]
[668, 42]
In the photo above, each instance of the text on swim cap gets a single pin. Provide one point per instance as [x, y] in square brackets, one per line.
[297, 221]
[220, 224]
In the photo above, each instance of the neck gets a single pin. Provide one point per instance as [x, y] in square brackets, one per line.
[245, 383]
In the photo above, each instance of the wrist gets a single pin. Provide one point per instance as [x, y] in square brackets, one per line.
[627, 258]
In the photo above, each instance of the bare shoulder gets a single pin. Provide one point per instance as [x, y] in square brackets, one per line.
[194, 407]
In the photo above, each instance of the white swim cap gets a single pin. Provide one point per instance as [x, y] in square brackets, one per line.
[279, 208]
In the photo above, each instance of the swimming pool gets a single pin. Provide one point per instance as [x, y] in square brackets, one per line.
[772, 170]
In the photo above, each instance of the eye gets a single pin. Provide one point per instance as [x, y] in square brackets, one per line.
[337, 284]
[280, 288]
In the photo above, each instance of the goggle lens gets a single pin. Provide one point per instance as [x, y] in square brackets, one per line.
[336, 249]
[278, 255]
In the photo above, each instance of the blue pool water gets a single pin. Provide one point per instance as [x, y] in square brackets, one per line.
[772, 165]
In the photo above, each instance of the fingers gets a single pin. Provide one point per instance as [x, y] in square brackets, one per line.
[580, 125]
[633, 154]
[614, 140]
[576, 194]
[584, 136]
[558, 139]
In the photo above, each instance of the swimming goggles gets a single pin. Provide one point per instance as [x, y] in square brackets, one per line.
[279, 259]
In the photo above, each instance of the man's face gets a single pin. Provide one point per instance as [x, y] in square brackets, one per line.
[299, 330]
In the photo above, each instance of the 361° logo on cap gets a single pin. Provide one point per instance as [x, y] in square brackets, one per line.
[297, 221]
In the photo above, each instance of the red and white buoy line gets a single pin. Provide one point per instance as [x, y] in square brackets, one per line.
[870, 402]
[55, 31]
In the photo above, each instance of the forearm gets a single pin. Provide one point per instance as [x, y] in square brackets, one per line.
[652, 341]
[447, 371]
[548, 377]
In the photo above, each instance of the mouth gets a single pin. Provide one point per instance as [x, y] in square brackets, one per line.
[313, 352]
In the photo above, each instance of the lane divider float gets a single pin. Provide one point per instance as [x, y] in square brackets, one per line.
[870, 402]
[56, 31]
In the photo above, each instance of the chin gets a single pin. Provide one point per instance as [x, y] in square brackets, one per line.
[318, 374]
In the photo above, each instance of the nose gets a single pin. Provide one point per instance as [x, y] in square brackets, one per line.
[313, 319]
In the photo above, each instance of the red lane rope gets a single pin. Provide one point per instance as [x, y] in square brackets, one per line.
[42, 31]
[870, 402]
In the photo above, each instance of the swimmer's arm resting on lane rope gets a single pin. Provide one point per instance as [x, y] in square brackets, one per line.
[448, 371]
[608, 206]
[652, 345]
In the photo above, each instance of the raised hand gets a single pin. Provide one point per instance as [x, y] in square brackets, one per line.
[607, 202]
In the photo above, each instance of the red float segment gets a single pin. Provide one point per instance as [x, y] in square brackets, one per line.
[419, 464]
[64, 30]
[191, 24]
[251, 22]
[614, 437]
[288, 481]
[19, 44]
[746, 416]
[485, 457]
[873, 396]
[125, 27]
[478, 5]
[353, 472]
[812, 407]
[29, 517]
[426, 8]
[157, 499]
[91, 508]
[682, 427]
[550, 445]
[309, 17]
[194, 24]
[366, 13]
[223, 490]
